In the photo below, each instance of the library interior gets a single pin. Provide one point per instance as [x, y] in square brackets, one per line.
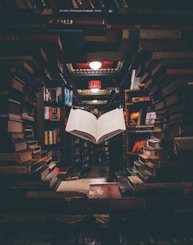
[96, 115]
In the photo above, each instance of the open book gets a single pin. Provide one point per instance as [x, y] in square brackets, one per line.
[87, 126]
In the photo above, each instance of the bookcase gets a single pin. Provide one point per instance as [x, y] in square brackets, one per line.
[140, 118]
[102, 152]
[82, 153]
[52, 109]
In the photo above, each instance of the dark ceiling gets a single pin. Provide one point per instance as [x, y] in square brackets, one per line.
[87, 31]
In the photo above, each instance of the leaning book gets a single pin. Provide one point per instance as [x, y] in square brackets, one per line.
[87, 126]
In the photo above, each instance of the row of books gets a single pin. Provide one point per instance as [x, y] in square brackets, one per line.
[163, 166]
[167, 74]
[88, 5]
[52, 113]
[73, 5]
[53, 94]
[52, 136]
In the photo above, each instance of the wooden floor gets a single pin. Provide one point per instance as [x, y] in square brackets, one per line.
[97, 171]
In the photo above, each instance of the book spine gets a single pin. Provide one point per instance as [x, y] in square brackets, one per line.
[156, 55]
[30, 37]
[15, 170]
[150, 34]
[76, 21]
[165, 45]
[168, 185]
[179, 71]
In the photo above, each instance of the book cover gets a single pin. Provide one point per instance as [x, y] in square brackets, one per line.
[179, 83]
[12, 136]
[12, 145]
[20, 157]
[11, 107]
[183, 146]
[10, 125]
[173, 173]
[154, 142]
[87, 126]
[18, 61]
[140, 185]
[13, 83]
[22, 38]
[165, 45]
[156, 55]
[13, 167]
[170, 163]
[155, 153]
[151, 34]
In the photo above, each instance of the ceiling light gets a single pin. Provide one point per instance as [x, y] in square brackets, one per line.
[95, 65]
[95, 90]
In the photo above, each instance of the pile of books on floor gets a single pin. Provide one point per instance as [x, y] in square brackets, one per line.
[164, 167]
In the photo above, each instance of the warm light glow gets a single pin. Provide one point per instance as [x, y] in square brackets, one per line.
[95, 65]
[94, 85]
[95, 90]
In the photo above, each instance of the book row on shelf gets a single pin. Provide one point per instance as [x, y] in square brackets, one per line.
[159, 157]
[75, 6]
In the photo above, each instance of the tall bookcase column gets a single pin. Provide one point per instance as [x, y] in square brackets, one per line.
[140, 119]
[53, 118]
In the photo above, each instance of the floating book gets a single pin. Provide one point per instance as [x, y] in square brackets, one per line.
[87, 126]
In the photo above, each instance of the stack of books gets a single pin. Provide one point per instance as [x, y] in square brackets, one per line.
[22, 165]
[164, 166]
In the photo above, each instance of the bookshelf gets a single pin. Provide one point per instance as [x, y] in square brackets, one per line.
[53, 121]
[82, 152]
[102, 152]
[140, 119]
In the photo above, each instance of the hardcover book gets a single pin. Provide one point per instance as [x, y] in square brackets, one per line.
[140, 185]
[155, 153]
[165, 45]
[11, 107]
[20, 156]
[10, 82]
[87, 126]
[14, 145]
[10, 126]
[154, 143]
[13, 167]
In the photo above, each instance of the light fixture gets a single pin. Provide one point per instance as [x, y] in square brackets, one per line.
[95, 65]
[94, 85]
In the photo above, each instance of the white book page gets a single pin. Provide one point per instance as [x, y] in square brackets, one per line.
[82, 121]
[112, 121]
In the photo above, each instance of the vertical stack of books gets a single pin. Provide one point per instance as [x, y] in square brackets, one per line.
[167, 74]
[169, 65]
[21, 165]
[164, 166]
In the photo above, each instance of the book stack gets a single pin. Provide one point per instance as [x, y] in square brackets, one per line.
[165, 166]
[167, 75]
[168, 65]
[21, 164]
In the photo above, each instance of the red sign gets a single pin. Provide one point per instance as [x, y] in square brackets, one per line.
[94, 84]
